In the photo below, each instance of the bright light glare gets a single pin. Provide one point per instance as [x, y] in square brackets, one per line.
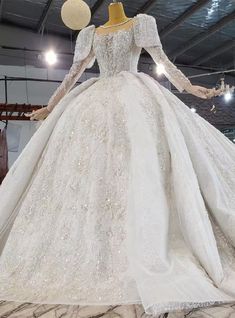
[51, 57]
[193, 110]
[227, 96]
[214, 6]
[160, 69]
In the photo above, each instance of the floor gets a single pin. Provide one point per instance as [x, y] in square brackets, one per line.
[26, 310]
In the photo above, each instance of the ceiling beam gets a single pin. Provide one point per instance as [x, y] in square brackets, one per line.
[1, 9]
[96, 6]
[230, 65]
[218, 51]
[181, 18]
[8, 23]
[44, 15]
[24, 49]
[147, 59]
[204, 35]
[146, 6]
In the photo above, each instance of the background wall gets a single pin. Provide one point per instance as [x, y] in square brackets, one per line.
[35, 93]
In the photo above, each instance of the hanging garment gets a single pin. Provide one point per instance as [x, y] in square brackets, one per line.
[3, 155]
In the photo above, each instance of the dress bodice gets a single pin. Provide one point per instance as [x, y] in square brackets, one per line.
[116, 52]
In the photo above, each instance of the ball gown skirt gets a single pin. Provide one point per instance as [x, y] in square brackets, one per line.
[123, 196]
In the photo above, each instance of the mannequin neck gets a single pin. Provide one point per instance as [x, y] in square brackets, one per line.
[116, 13]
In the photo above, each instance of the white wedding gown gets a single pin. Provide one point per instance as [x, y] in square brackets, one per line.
[123, 195]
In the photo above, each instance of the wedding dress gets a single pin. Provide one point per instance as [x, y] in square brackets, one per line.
[123, 195]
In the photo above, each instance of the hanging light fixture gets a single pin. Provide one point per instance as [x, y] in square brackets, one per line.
[75, 14]
[227, 96]
[226, 90]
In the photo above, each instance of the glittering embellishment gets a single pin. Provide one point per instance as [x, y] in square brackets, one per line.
[77, 220]
[116, 52]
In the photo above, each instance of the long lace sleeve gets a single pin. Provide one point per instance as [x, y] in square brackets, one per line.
[146, 36]
[83, 58]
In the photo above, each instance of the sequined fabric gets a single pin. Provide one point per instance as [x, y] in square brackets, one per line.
[116, 52]
[121, 197]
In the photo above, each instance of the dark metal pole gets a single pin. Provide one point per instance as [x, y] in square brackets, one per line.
[230, 44]
[1, 9]
[6, 95]
[44, 15]
[146, 6]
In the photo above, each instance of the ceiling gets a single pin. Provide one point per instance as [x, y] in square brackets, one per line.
[193, 32]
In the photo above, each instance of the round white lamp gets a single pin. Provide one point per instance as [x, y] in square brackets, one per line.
[75, 14]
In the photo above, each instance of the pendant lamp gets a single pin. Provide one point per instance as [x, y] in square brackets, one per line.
[75, 14]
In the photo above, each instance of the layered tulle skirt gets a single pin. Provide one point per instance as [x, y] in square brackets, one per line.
[123, 196]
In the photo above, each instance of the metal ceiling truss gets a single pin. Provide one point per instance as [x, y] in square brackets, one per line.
[1, 7]
[43, 18]
[27, 28]
[146, 6]
[204, 35]
[181, 18]
[96, 7]
[230, 65]
[15, 24]
[218, 51]
[41, 22]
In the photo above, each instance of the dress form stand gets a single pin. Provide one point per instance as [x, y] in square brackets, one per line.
[117, 19]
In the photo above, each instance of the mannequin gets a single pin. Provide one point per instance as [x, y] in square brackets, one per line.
[117, 19]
